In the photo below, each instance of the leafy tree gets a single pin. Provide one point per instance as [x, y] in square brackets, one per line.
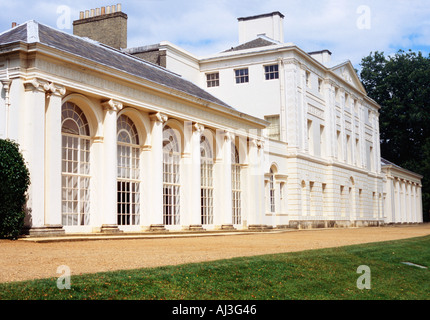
[401, 85]
[14, 178]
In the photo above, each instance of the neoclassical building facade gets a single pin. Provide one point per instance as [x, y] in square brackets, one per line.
[263, 135]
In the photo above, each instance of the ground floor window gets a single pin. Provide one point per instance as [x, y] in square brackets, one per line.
[235, 185]
[75, 166]
[171, 177]
[128, 172]
[206, 177]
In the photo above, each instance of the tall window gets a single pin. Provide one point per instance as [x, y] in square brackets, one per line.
[75, 135]
[171, 176]
[242, 75]
[272, 191]
[128, 184]
[206, 177]
[271, 72]
[235, 181]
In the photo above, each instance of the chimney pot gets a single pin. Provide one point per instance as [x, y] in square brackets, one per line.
[97, 11]
[87, 13]
[13, 24]
[103, 10]
[92, 13]
[81, 15]
[108, 9]
[118, 7]
[113, 8]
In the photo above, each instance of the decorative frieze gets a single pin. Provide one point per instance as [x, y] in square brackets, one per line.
[317, 112]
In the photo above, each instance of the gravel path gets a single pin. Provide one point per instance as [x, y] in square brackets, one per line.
[24, 260]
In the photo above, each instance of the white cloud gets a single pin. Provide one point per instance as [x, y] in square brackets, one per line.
[208, 26]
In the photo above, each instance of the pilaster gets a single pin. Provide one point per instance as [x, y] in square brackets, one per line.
[154, 174]
[41, 143]
[109, 215]
[194, 187]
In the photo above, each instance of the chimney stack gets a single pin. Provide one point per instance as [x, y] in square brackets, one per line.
[107, 25]
[269, 24]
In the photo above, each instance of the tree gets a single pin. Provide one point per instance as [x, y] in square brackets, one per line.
[401, 85]
[14, 177]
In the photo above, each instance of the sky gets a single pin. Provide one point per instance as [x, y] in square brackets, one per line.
[350, 29]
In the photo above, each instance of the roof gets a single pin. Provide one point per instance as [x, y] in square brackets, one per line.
[386, 163]
[256, 43]
[264, 15]
[32, 32]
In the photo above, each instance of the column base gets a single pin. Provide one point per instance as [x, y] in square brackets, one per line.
[227, 227]
[194, 227]
[157, 228]
[110, 228]
[259, 227]
[45, 231]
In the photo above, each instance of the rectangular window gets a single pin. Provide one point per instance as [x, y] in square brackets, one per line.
[322, 141]
[271, 72]
[310, 138]
[212, 79]
[308, 79]
[242, 75]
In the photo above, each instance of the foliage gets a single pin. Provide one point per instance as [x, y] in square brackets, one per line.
[14, 177]
[401, 85]
[307, 275]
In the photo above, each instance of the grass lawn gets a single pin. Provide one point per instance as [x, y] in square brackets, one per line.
[328, 274]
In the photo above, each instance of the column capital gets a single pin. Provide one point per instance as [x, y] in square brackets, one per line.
[158, 117]
[198, 128]
[42, 85]
[112, 105]
[6, 84]
[257, 143]
[228, 136]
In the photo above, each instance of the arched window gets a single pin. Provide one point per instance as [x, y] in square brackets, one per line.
[75, 135]
[171, 176]
[128, 172]
[272, 191]
[206, 178]
[235, 185]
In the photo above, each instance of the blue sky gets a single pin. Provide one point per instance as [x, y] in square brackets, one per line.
[350, 29]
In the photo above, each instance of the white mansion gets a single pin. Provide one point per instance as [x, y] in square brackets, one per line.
[262, 135]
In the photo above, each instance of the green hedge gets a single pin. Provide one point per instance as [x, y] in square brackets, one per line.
[14, 182]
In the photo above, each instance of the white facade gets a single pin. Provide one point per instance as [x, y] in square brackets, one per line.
[138, 149]
[322, 149]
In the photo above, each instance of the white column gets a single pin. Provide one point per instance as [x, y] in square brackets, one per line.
[4, 109]
[256, 186]
[154, 174]
[109, 216]
[53, 158]
[226, 213]
[293, 130]
[33, 149]
[419, 205]
[194, 179]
